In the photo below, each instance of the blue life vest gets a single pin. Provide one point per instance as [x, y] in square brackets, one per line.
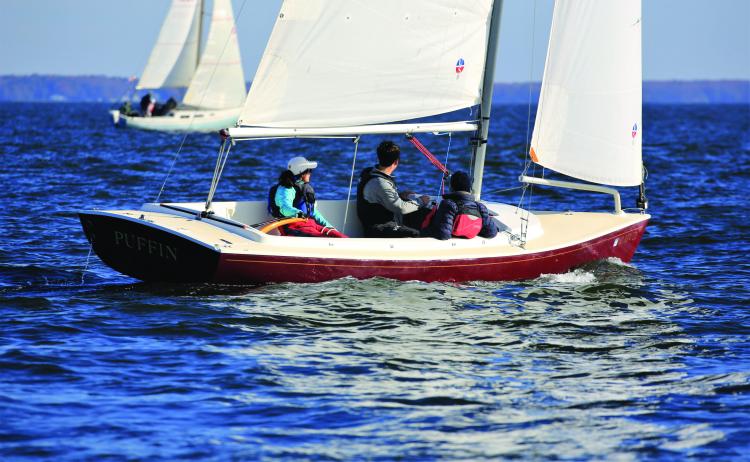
[304, 199]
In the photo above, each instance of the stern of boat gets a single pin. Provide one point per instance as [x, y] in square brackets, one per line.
[117, 118]
[146, 251]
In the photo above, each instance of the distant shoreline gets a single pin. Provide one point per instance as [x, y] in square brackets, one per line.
[97, 88]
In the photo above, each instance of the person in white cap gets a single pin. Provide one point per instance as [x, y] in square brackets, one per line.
[294, 196]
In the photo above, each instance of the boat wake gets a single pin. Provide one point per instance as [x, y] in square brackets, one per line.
[577, 276]
[601, 271]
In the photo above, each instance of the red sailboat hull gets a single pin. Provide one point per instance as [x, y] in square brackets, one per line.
[233, 268]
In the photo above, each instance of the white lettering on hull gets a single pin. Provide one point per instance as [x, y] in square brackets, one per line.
[146, 246]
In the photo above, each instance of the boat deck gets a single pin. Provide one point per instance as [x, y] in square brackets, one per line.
[569, 228]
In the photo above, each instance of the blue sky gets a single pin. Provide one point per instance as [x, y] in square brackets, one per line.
[682, 39]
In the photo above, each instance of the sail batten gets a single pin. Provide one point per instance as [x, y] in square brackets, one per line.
[174, 58]
[588, 122]
[356, 62]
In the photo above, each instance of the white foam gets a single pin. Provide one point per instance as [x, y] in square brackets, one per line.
[577, 276]
[618, 262]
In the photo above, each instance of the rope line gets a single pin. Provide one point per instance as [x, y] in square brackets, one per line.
[203, 96]
[421, 148]
[351, 181]
[531, 71]
[217, 175]
[447, 153]
[171, 167]
[528, 162]
[214, 178]
[86, 265]
[495, 191]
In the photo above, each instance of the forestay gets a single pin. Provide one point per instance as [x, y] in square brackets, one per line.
[332, 63]
[588, 123]
[219, 82]
[175, 55]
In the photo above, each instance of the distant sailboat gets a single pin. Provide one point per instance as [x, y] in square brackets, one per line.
[215, 83]
[327, 71]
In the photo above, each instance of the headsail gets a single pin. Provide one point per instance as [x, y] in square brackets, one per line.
[588, 122]
[175, 56]
[332, 63]
[219, 82]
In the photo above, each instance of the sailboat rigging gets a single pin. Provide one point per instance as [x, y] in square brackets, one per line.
[215, 83]
[322, 75]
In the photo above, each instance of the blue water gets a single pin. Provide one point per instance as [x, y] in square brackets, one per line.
[645, 361]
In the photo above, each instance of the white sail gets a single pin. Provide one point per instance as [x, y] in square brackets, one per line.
[219, 82]
[175, 56]
[354, 62]
[588, 122]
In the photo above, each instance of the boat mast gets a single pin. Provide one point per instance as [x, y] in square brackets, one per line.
[480, 142]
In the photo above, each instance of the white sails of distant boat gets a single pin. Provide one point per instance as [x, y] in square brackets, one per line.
[218, 82]
[215, 83]
[174, 57]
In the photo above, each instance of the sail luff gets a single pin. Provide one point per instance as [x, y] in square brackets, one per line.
[173, 59]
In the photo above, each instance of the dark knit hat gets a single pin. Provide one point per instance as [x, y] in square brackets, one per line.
[388, 153]
[460, 182]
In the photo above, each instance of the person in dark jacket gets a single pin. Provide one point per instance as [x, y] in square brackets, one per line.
[457, 210]
[148, 102]
[382, 209]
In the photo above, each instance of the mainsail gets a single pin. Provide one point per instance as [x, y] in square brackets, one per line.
[219, 82]
[175, 55]
[588, 122]
[333, 63]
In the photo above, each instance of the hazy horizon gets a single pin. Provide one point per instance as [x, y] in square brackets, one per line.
[683, 40]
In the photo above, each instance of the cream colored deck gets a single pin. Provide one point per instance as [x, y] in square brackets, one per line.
[548, 231]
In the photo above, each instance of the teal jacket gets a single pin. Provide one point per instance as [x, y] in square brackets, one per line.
[285, 202]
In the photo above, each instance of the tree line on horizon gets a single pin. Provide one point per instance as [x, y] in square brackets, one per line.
[92, 88]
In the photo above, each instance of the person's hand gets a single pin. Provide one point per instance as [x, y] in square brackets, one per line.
[404, 195]
[425, 200]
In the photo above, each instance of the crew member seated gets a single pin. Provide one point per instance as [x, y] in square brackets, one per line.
[163, 109]
[293, 196]
[127, 109]
[381, 209]
[459, 215]
[148, 102]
